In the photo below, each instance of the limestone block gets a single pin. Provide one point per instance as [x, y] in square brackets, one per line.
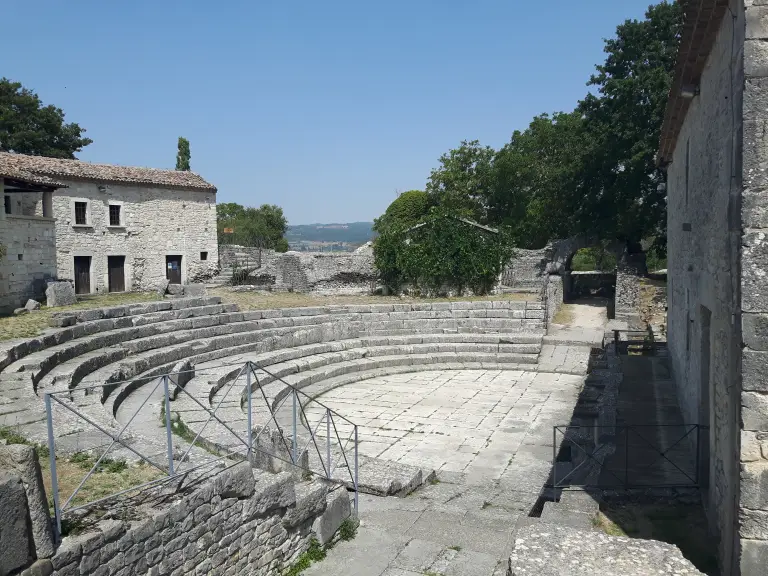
[42, 567]
[20, 311]
[751, 449]
[754, 557]
[754, 411]
[754, 485]
[32, 305]
[310, 501]
[272, 491]
[22, 461]
[16, 541]
[161, 287]
[235, 482]
[60, 294]
[754, 370]
[337, 510]
[757, 22]
[195, 290]
[755, 331]
[754, 523]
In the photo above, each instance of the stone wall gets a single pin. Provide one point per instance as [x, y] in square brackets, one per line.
[554, 293]
[155, 223]
[527, 269]
[751, 238]
[704, 223]
[237, 521]
[324, 273]
[30, 258]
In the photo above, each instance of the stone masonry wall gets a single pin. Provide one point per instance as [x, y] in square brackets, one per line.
[156, 222]
[753, 505]
[704, 182]
[239, 522]
[527, 269]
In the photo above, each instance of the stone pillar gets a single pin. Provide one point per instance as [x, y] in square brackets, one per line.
[752, 231]
[48, 204]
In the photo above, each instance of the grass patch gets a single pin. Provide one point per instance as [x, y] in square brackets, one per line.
[315, 553]
[259, 300]
[485, 505]
[565, 315]
[348, 529]
[457, 548]
[32, 324]
[683, 525]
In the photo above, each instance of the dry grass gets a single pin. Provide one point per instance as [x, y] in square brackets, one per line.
[100, 485]
[565, 315]
[682, 525]
[651, 293]
[259, 300]
[32, 324]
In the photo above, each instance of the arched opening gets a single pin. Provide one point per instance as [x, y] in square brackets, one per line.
[589, 277]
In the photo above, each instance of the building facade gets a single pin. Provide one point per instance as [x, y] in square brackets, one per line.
[122, 228]
[714, 147]
[27, 237]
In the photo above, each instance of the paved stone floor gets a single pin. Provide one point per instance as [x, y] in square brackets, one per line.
[469, 421]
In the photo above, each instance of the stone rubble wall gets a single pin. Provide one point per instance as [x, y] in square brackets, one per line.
[156, 222]
[237, 521]
[527, 269]
[316, 272]
[554, 295]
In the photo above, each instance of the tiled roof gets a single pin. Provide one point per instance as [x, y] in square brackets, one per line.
[13, 173]
[41, 167]
[701, 22]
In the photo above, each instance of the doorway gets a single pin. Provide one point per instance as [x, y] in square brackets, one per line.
[173, 269]
[705, 402]
[82, 274]
[116, 273]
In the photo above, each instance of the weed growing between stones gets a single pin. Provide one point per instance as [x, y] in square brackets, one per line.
[456, 548]
[348, 529]
[315, 553]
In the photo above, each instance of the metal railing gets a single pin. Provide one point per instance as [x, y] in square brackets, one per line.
[634, 339]
[335, 443]
[626, 456]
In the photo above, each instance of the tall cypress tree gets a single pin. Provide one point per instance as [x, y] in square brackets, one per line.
[183, 155]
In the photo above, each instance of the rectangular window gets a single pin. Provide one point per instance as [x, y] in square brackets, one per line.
[203, 255]
[114, 215]
[7, 203]
[81, 213]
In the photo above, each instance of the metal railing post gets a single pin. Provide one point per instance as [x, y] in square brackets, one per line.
[356, 490]
[168, 432]
[554, 456]
[250, 415]
[52, 462]
[328, 439]
[295, 440]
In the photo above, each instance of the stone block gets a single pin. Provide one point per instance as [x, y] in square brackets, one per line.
[235, 482]
[310, 502]
[63, 321]
[60, 294]
[161, 287]
[754, 370]
[754, 411]
[39, 568]
[272, 491]
[32, 305]
[22, 461]
[754, 485]
[16, 541]
[752, 445]
[20, 311]
[755, 331]
[175, 289]
[757, 22]
[754, 557]
[753, 524]
[196, 290]
[337, 510]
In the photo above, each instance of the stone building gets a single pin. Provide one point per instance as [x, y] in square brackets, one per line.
[122, 228]
[27, 236]
[714, 146]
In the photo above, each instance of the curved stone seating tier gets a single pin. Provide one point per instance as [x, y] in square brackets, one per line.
[128, 346]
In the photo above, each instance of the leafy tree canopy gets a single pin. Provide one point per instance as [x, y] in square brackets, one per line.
[406, 210]
[28, 127]
[183, 155]
[264, 226]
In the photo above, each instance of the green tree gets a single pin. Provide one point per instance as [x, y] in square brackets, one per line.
[535, 184]
[461, 184]
[28, 127]
[264, 226]
[621, 196]
[406, 210]
[183, 155]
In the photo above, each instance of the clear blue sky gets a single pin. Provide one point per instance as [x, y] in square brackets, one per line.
[325, 108]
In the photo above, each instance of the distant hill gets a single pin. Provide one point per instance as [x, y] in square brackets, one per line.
[354, 233]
